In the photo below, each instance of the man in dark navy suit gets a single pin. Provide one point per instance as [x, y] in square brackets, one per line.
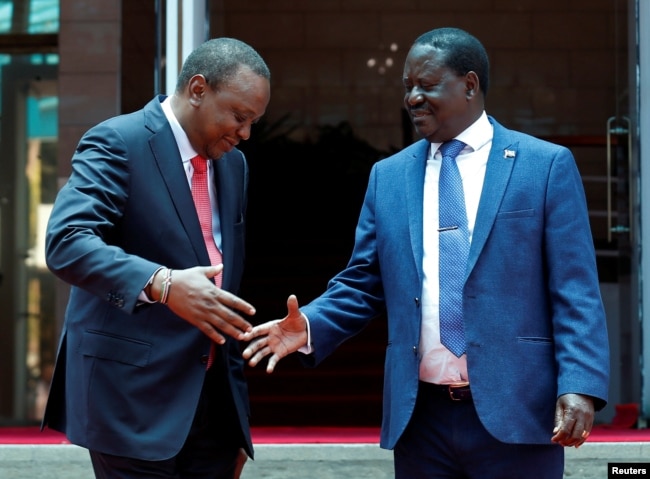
[149, 309]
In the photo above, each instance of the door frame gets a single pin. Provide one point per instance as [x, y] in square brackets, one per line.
[642, 98]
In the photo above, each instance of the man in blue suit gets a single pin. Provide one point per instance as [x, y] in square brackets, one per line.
[149, 308]
[533, 366]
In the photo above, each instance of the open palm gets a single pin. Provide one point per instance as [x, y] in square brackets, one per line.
[277, 338]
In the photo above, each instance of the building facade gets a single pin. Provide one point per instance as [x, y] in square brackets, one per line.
[576, 72]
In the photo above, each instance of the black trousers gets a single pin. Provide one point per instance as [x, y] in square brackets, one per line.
[211, 448]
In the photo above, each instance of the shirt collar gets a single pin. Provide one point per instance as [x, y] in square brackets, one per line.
[184, 147]
[477, 135]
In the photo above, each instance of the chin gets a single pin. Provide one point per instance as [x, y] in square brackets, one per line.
[422, 127]
[434, 135]
[216, 153]
[225, 147]
[424, 132]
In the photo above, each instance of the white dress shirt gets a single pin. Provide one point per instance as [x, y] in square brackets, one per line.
[437, 364]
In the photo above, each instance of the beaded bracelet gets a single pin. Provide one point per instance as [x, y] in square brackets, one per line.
[166, 286]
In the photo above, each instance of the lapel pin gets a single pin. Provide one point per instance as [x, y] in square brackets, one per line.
[509, 153]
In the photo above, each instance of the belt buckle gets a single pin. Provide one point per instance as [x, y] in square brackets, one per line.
[453, 387]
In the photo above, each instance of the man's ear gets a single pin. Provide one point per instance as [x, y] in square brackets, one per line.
[196, 88]
[472, 84]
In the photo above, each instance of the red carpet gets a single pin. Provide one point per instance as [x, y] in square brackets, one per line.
[305, 435]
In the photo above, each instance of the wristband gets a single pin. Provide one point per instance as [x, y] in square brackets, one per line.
[166, 286]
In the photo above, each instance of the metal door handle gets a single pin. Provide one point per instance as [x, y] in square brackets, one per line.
[618, 126]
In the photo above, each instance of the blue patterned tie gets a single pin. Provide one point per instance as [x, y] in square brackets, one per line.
[454, 248]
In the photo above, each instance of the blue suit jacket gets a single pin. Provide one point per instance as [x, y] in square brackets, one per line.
[534, 321]
[128, 376]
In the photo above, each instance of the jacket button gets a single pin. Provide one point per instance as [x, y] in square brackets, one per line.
[204, 359]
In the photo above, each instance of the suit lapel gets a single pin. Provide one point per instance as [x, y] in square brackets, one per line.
[225, 192]
[165, 151]
[414, 180]
[501, 160]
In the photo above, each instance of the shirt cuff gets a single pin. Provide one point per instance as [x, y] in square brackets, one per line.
[142, 297]
[307, 348]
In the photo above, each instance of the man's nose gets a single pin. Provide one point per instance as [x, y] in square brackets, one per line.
[414, 97]
[244, 132]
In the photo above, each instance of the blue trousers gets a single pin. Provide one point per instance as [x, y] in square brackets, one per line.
[445, 439]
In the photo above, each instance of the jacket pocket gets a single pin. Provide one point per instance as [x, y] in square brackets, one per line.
[535, 339]
[125, 350]
[506, 215]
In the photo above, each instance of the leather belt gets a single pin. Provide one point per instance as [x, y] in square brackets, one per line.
[453, 392]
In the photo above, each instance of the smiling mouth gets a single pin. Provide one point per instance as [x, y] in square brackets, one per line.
[419, 113]
[229, 144]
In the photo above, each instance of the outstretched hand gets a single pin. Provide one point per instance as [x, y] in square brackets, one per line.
[214, 311]
[277, 338]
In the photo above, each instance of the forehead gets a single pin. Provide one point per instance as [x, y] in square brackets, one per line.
[246, 90]
[424, 60]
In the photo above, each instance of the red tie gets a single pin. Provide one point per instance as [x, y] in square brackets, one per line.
[204, 209]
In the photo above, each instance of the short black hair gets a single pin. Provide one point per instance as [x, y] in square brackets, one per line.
[463, 52]
[218, 60]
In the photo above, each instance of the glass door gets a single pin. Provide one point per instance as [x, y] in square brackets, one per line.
[615, 207]
[27, 190]
[609, 165]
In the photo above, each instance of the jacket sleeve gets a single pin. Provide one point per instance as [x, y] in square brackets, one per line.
[80, 246]
[579, 325]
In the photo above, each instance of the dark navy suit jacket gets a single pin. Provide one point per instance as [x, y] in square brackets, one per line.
[534, 320]
[128, 375]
